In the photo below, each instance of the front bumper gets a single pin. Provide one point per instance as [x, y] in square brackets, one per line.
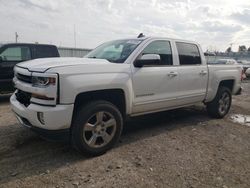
[62, 135]
[55, 117]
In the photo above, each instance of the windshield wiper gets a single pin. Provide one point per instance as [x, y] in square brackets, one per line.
[109, 60]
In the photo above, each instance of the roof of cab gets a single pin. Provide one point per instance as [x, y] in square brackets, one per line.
[175, 39]
[25, 44]
[161, 38]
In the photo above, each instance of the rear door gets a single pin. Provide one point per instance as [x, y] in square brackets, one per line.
[193, 73]
[11, 55]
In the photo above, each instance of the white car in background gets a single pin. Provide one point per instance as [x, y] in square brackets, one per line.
[231, 62]
[247, 73]
[246, 67]
[226, 62]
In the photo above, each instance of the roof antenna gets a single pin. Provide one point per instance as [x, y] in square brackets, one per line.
[140, 35]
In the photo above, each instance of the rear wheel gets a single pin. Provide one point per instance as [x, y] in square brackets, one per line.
[221, 104]
[96, 128]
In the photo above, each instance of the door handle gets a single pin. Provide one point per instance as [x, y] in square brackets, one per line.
[203, 72]
[172, 74]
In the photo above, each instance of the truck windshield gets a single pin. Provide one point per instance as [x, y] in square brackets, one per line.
[115, 51]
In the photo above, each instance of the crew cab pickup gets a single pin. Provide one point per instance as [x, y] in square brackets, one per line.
[87, 99]
[13, 53]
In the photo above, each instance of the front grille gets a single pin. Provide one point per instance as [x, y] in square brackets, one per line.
[24, 78]
[23, 97]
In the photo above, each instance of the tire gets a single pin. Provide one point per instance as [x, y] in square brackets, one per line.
[96, 128]
[220, 105]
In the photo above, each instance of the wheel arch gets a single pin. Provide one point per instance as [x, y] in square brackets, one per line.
[227, 83]
[115, 96]
[212, 91]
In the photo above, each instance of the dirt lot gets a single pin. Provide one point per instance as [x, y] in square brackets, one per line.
[180, 148]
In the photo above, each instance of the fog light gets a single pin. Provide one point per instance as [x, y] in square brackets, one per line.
[40, 117]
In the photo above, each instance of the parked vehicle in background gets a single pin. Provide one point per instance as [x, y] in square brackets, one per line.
[225, 61]
[11, 54]
[230, 62]
[73, 52]
[88, 98]
[245, 64]
[247, 73]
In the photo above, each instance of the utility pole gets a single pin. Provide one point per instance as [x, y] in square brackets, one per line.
[75, 34]
[231, 45]
[16, 36]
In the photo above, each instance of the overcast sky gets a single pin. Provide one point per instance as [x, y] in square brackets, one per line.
[213, 23]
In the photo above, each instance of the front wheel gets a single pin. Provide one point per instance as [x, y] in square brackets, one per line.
[221, 104]
[96, 128]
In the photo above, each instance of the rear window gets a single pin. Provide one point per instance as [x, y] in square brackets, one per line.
[188, 54]
[45, 51]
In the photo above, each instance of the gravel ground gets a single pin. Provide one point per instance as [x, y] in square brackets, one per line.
[179, 148]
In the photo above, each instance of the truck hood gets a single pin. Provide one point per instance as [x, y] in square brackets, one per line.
[44, 64]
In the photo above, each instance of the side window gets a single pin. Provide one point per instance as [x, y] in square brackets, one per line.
[45, 51]
[188, 54]
[20, 53]
[161, 48]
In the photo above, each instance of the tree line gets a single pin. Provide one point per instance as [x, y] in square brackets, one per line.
[242, 48]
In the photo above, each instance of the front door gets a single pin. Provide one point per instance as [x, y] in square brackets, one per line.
[155, 86]
[10, 56]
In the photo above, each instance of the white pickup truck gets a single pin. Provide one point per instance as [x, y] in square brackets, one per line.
[89, 98]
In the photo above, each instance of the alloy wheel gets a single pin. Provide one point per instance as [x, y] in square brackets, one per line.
[99, 129]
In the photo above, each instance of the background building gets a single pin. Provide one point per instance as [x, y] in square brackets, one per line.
[73, 52]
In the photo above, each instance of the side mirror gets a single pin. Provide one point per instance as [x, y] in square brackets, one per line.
[148, 59]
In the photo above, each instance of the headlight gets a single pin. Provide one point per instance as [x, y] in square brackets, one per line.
[43, 81]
